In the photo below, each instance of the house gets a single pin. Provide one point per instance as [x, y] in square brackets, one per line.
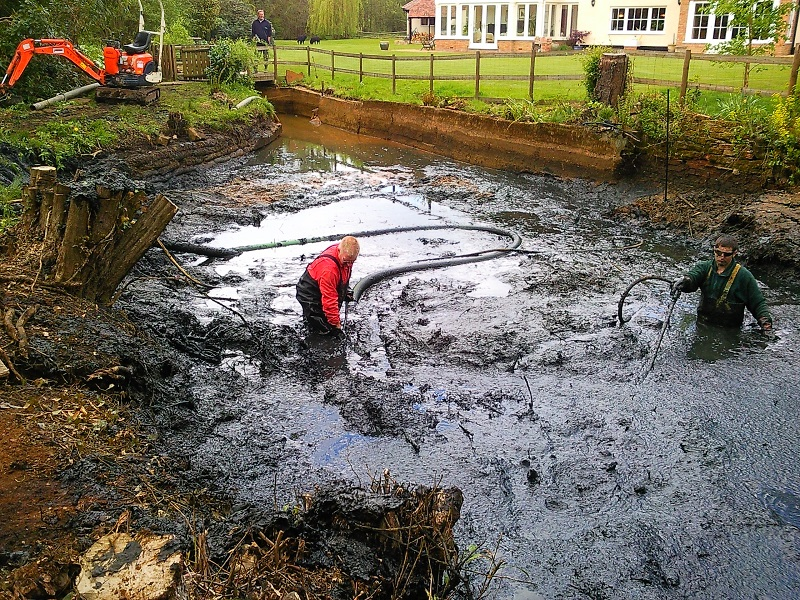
[421, 18]
[636, 24]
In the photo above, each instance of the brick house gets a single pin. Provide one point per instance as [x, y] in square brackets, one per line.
[645, 24]
[420, 18]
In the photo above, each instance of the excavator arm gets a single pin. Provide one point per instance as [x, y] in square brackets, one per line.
[59, 47]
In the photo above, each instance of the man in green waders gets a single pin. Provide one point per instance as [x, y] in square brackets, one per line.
[726, 288]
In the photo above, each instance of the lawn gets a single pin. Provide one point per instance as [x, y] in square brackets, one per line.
[362, 70]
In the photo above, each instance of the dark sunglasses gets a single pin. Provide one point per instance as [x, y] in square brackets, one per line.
[721, 253]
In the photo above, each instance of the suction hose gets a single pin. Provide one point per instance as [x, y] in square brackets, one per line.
[374, 278]
[664, 325]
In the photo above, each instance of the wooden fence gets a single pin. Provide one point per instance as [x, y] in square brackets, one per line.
[669, 69]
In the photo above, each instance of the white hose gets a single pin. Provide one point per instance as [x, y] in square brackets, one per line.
[65, 96]
[246, 101]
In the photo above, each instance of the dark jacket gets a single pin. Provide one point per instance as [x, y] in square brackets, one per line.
[743, 293]
[323, 288]
[262, 30]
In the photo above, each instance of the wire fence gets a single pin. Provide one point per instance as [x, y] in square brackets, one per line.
[499, 76]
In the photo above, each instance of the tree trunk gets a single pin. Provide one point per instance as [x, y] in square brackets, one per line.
[91, 241]
[613, 78]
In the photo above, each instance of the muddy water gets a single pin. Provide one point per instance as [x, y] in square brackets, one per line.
[510, 379]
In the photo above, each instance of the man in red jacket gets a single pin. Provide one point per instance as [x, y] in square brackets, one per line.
[324, 286]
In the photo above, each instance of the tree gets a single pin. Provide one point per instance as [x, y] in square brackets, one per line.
[334, 18]
[235, 17]
[202, 17]
[383, 15]
[289, 19]
[751, 20]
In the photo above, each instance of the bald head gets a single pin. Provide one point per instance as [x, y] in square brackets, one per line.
[348, 249]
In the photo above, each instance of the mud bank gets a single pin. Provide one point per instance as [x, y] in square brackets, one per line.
[564, 150]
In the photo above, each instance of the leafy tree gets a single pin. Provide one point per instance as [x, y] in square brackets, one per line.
[383, 15]
[334, 18]
[289, 19]
[202, 17]
[44, 76]
[235, 18]
[751, 20]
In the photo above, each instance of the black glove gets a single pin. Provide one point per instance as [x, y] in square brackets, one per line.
[679, 285]
[766, 324]
[348, 297]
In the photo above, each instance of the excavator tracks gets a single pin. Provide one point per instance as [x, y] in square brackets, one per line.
[134, 95]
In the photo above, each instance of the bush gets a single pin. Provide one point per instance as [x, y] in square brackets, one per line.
[591, 68]
[231, 62]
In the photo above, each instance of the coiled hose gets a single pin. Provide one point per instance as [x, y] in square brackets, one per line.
[372, 279]
[665, 324]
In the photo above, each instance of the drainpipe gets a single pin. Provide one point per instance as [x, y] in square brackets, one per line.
[65, 96]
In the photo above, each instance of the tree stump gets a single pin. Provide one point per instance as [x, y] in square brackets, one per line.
[613, 78]
[91, 238]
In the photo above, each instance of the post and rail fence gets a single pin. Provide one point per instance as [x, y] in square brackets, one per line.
[762, 75]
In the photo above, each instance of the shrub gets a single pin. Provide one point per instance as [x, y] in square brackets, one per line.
[591, 68]
[231, 62]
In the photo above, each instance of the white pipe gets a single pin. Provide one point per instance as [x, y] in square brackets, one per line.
[65, 96]
[246, 101]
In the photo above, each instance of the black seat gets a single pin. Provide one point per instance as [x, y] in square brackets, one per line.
[140, 44]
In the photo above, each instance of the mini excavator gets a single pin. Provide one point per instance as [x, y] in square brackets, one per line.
[129, 72]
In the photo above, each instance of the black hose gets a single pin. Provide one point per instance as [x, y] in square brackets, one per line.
[623, 320]
[374, 278]
[664, 326]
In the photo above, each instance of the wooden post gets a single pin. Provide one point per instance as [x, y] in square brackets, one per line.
[431, 75]
[477, 73]
[308, 59]
[275, 64]
[333, 63]
[394, 74]
[169, 69]
[360, 67]
[685, 76]
[793, 73]
[533, 70]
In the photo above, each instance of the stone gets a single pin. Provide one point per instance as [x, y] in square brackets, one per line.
[118, 565]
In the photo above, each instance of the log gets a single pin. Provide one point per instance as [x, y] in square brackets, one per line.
[8, 321]
[131, 246]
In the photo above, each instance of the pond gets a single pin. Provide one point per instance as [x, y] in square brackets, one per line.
[511, 379]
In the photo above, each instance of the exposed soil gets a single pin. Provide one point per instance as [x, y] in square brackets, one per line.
[81, 457]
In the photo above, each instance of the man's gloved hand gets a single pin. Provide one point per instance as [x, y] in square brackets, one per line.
[766, 324]
[348, 297]
[679, 285]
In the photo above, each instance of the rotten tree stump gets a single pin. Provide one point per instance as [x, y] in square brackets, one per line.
[613, 78]
[91, 239]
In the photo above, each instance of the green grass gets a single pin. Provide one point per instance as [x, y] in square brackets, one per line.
[412, 61]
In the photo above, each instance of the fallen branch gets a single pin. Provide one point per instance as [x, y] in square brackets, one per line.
[23, 336]
[7, 360]
[8, 321]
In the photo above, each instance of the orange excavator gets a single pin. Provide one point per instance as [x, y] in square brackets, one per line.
[124, 67]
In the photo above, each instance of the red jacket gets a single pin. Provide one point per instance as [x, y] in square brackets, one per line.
[332, 278]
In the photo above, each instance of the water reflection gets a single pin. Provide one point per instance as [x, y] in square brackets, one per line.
[712, 343]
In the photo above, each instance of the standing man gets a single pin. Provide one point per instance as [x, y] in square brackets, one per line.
[726, 288]
[323, 287]
[261, 30]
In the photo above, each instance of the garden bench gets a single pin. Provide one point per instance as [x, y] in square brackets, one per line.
[429, 44]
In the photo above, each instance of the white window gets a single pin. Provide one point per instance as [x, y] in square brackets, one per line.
[638, 20]
[526, 20]
[705, 27]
